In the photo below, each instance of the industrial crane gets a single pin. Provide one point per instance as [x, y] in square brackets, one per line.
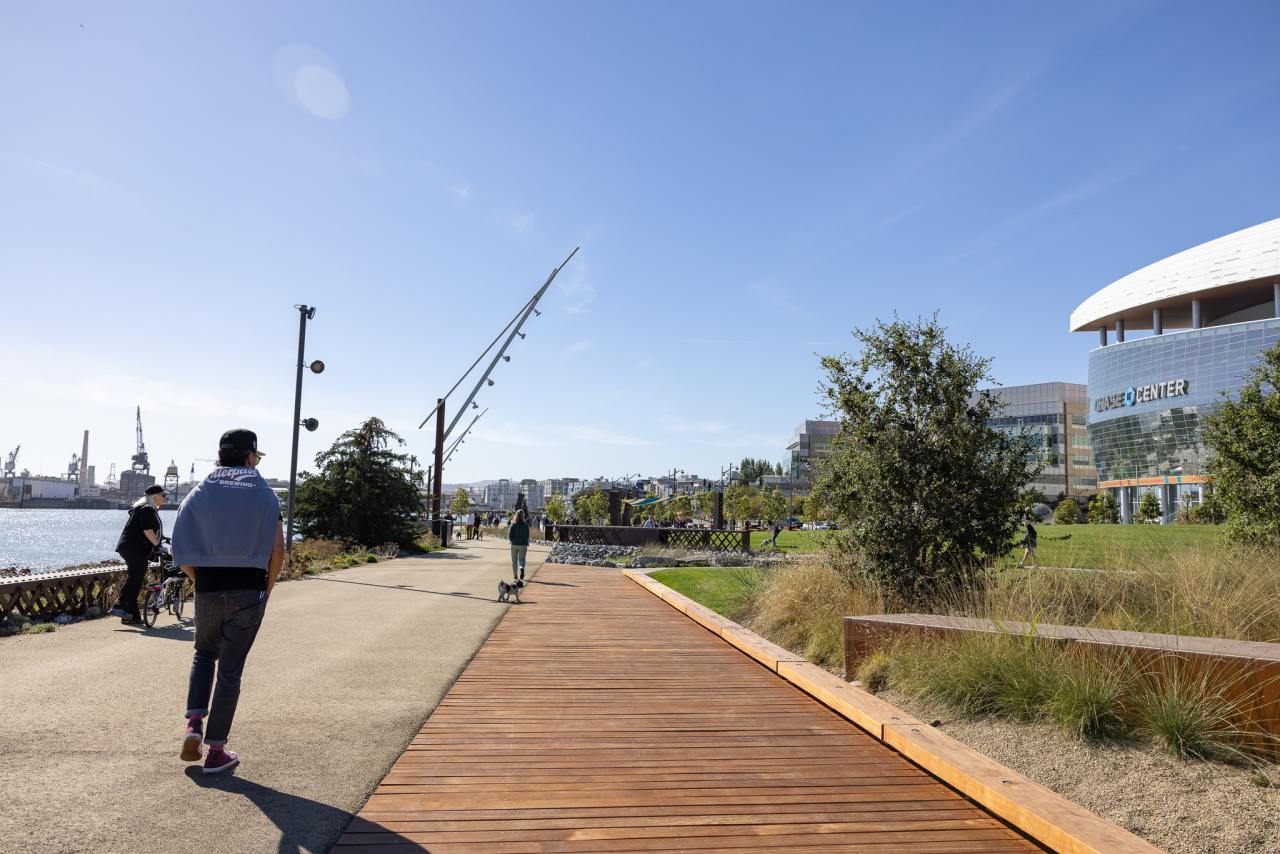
[11, 464]
[141, 464]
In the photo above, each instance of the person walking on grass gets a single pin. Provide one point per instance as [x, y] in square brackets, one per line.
[140, 537]
[229, 542]
[518, 534]
[1029, 547]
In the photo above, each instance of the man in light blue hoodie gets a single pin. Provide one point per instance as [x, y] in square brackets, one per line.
[228, 540]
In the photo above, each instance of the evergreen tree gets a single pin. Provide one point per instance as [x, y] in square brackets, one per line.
[1149, 507]
[1243, 437]
[362, 492]
[1104, 509]
[927, 487]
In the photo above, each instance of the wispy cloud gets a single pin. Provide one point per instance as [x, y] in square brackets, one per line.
[108, 389]
[983, 109]
[508, 434]
[1002, 233]
[607, 437]
[578, 347]
[462, 192]
[577, 293]
[521, 221]
[775, 297]
[77, 178]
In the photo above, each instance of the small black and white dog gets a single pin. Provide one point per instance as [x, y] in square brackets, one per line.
[507, 589]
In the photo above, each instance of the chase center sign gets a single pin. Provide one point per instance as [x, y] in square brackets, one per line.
[1134, 395]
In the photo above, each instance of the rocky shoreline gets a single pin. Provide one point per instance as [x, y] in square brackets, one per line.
[634, 557]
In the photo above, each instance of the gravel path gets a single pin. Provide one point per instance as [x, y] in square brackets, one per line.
[345, 670]
[1184, 807]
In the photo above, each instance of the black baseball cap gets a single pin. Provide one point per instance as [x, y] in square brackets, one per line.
[239, 439]
[155, 489]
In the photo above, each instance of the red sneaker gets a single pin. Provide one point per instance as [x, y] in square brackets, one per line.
[220, 760]
[191, 740]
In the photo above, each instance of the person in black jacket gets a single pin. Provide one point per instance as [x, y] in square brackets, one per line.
[138, 540]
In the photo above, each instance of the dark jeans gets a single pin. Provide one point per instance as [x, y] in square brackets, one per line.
[226, 624]
[133, 584]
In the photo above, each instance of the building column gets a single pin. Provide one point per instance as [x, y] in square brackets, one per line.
[1275, 296]
[1120, 330]
[1126, 517]
[1102, 335]
[1157, 321]
[1197, 318]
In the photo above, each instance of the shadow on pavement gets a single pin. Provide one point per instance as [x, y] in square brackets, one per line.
[403, 587]
[306, 826]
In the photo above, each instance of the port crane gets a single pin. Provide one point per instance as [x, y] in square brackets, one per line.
[141, 464]
[11, 464]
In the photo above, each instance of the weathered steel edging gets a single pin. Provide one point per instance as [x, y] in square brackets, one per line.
[1042, 814]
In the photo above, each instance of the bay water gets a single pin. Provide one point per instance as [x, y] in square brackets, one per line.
[51, 539]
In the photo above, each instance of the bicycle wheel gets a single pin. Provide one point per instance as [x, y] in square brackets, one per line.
[151, 607]
[179, 597]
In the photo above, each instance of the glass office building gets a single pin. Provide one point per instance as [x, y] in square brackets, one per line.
[1149, 396]
[1054, 416]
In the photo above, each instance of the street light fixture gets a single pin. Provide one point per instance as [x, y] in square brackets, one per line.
[305, 313]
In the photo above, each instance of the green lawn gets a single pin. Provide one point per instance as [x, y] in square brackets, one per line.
[1114, 546]
[724, 590]
[788, 541]
[1087, 546]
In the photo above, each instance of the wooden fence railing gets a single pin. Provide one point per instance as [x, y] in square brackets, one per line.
[624, 535]
[46, 594]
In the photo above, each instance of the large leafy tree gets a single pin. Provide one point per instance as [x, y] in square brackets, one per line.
[750, 469]
[556, 510]
[363, 492]
[927, 488]
[461, 503]
[1244, 465]
[591, 506]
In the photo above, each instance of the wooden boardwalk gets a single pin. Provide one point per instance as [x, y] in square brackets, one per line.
[598, 719]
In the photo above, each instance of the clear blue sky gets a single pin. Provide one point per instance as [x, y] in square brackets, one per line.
[747, 181]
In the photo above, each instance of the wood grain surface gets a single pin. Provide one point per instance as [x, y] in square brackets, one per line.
[598, 719]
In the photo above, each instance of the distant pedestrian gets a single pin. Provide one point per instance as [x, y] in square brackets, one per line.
[140, 537]
[777, 529]
[518, 535]
[1029, 546]
[229, 542]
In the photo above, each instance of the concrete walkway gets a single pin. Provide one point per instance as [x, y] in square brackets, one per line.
[345, 670]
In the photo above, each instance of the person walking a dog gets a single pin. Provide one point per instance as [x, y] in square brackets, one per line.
[229, 541]
[518, 534]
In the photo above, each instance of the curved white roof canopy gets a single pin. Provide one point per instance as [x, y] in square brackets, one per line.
[1229, 274]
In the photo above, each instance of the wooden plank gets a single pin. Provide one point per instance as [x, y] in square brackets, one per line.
[597, 718]
[1049, 817]
[866, 710]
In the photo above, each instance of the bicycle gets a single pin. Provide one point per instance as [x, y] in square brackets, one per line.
[170, 593]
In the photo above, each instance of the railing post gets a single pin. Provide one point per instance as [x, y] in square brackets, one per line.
[746, 537]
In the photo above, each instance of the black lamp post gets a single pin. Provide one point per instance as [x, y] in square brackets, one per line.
[305, 313]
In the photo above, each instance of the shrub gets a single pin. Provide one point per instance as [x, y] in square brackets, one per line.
[1067, 512]
[802, 606]
[371, 558]
[1188, 716]
[1088, 699]
[873, 671]
[926, 485]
